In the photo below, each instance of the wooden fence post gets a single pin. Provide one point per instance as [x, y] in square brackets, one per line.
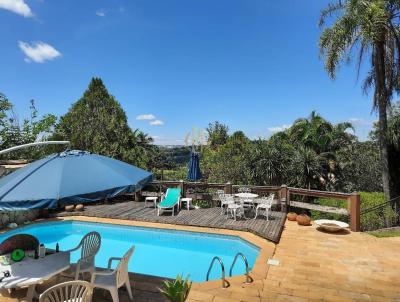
[182, 185]
[228, 188]
[284, 198]
[354, 211]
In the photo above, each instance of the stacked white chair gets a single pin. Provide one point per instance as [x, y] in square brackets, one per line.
[72, 291]
[89, 245]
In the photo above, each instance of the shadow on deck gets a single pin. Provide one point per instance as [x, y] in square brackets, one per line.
[209, 217]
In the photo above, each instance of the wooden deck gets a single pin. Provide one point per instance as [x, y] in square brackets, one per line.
[210, 217]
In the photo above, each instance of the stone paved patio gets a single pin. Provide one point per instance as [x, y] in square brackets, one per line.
[314, 266]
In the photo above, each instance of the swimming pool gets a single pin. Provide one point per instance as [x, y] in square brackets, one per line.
[158, 252]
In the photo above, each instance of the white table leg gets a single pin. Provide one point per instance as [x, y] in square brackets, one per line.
[31, 293]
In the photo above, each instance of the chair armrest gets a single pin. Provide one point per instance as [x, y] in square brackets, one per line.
[111, 260]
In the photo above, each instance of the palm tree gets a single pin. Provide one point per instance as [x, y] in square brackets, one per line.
[143, 139]
[311, 132]
[372, 28]
[315, 136]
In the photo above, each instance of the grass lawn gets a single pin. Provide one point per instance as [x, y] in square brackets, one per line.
[386, 233]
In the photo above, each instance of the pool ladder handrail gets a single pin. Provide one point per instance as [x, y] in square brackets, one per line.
[224, 282]
[246, 263]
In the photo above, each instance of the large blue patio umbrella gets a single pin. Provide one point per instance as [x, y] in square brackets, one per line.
[194, 173]
[69, 177]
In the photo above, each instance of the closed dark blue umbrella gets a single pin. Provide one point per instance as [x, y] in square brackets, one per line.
[194, 173]
[68, 178]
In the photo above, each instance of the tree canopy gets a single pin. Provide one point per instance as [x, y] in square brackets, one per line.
[367, 28]
[14, 132]
[313, 153]
[97, 123]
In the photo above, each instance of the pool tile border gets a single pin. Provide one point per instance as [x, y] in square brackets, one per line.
[260, 267]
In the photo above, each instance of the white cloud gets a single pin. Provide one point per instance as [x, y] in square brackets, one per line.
[101, 13]
[17, 6]
[279, 128]
[157, 123]
[38, 52]
[142, 117]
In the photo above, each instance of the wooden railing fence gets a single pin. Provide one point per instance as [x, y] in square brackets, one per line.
[284, 194]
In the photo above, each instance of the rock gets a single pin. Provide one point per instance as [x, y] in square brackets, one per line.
[79, 207]
[69, 208]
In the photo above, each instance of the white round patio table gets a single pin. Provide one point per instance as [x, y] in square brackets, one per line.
[247, 199]
[30, 272]
[246, 195]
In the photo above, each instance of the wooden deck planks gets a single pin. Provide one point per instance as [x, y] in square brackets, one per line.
[210, 217]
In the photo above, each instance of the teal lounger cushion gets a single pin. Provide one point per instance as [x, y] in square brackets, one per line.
[171, 199]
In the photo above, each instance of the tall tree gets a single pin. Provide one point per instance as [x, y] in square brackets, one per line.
[14, 132]
[372, 28]
[97, 123]
[217, 134]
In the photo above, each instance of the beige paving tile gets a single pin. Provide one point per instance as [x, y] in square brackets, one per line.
[314, 266]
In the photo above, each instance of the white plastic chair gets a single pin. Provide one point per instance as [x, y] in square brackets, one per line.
[72, 291]
[265, 204]
[89, 245]
[114, 279]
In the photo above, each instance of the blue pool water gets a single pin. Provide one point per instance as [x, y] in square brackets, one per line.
[158, 252]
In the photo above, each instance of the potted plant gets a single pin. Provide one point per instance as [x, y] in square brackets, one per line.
[303, 219]
[292, 216]
[177, 290]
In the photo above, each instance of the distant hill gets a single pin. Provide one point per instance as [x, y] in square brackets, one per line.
[176, 155]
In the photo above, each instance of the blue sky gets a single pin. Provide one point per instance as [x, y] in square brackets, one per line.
[251, 64]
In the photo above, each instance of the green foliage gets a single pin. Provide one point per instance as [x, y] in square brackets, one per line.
[393, 136]
[217, 134]
[227, 162]
[379, 218]
[177, 290]
[305, 155]
[175, 174]
[97, 123]
[14, 133]
[360, 167]
[372, 28]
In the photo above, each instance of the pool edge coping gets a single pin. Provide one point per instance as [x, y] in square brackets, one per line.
[260, 267]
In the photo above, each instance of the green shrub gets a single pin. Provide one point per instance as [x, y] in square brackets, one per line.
[176, 174]
[203, 204]
[369, 221]
[331, 202]
[379, 218]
